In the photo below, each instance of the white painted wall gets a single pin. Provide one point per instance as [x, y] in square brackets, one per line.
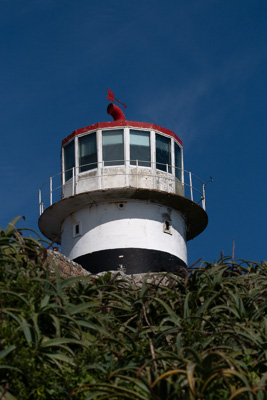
[123, 176]
[138, 224]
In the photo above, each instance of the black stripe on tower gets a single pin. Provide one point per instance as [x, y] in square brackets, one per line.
[135, 261]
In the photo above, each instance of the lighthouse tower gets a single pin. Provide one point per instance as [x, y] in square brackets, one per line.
[123, 198]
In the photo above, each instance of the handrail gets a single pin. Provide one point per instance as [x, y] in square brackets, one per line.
[57, 184]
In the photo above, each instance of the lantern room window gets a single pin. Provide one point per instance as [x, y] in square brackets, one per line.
[113, 147]
[140, 148]
[178, 161]
[87, 152]
[163, 153]
[69, 160]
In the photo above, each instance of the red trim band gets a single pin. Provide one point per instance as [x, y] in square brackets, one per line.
[122, 123]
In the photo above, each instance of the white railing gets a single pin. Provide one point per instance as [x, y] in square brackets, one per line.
[53, 189]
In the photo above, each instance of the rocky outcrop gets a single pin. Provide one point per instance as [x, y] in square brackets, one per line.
[68, 268]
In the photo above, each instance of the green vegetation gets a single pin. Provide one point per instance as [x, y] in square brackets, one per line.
[202, 336]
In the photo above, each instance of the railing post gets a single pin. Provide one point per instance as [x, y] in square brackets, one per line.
[51, 191]
[103, 175]
[99, 181]
[127, 173]
[204, 198]
[62, 185]
[40, 202]
[167, 178]
[73, 181]
[191, 187]
[137, 173]
[154, 174]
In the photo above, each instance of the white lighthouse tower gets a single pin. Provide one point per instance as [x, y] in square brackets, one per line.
[123, 198]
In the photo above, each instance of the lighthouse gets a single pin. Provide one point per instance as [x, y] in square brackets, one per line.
[123, 199]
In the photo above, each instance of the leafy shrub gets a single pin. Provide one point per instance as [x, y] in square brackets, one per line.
[202, 336]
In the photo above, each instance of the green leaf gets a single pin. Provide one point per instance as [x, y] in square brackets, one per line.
[186, 306]
[36, 326]
[5, 352]
[26, 330]
[10, 227]
[92, 326]
[8, 395]
[60, 341]
[60, 357]
[19, 296]
[206, 304]
[83, 306]
[45, 301]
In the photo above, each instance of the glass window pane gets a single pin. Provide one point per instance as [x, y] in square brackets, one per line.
[113, 147]
[178, 161]
[69, 160]
[163, 152]
[140, 148]
[87, 152]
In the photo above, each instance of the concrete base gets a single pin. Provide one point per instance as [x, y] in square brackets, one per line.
[134, 260]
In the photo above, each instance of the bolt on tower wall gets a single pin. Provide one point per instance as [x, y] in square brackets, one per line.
[123, 198]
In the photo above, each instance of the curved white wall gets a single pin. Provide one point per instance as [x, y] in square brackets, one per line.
[138, 224]
[122, 176]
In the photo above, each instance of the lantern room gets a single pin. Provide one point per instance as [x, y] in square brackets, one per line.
[116, 151]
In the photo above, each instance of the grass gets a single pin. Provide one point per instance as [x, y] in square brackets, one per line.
[202, 336]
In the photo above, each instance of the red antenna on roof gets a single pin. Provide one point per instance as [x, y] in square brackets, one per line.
[111, 97]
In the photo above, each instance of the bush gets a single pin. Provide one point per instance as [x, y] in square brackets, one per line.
[202, 336]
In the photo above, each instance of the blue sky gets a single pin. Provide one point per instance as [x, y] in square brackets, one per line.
[195, 67]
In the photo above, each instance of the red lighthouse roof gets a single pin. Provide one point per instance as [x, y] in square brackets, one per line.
[120, 121]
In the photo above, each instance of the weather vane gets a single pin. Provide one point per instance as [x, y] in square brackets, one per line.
[112, 98]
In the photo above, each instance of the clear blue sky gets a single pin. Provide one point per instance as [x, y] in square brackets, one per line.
[195, 67]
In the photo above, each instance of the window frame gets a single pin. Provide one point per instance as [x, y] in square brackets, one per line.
[74, 233]
[68, 170]
[157, 133]
[180, 178]
[79, 157]
[109, 163]
[145, 164]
